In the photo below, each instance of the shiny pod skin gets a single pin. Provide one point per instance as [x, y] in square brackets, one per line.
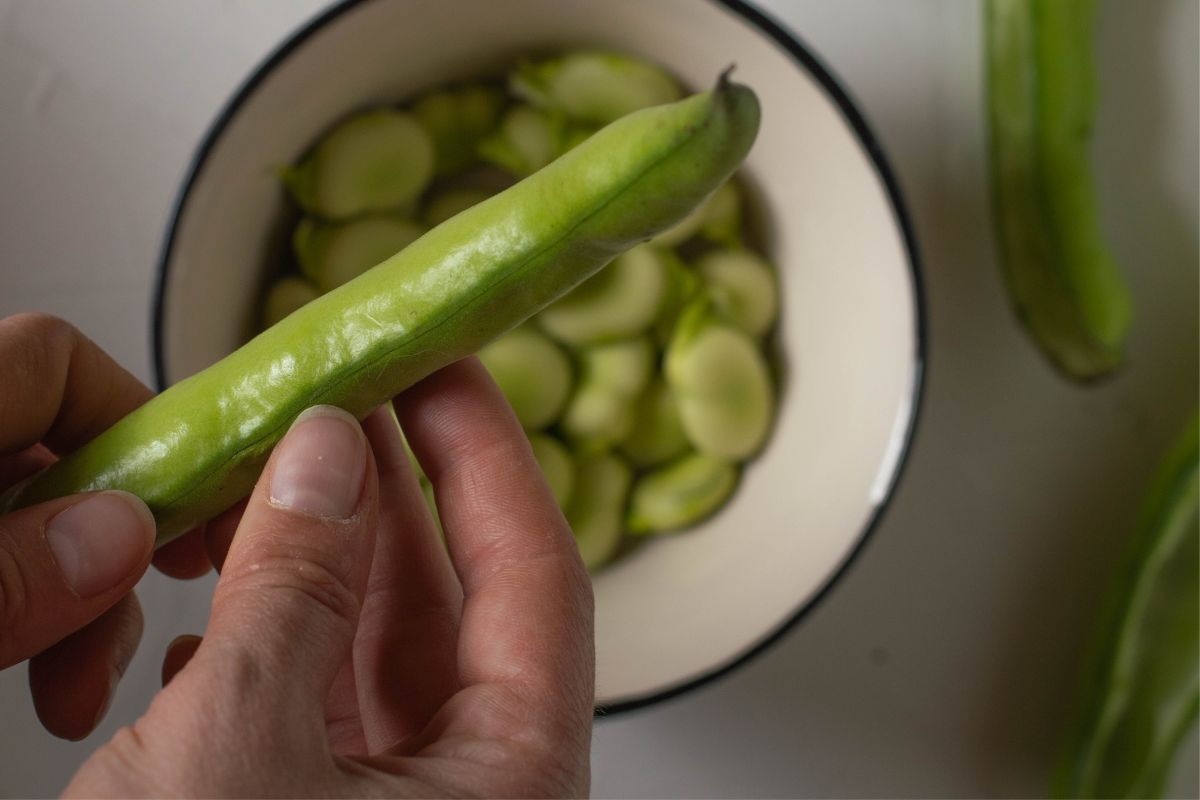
[199, 446]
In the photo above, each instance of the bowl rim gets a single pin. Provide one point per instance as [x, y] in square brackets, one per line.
[807, 61]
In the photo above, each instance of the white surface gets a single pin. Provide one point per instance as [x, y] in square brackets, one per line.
[943, 663]
[681, 606]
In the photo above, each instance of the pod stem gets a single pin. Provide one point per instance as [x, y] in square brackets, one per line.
[723, 80]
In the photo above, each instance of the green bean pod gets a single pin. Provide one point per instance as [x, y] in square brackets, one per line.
[199, 446]
[1142, 684]
[1063, 282]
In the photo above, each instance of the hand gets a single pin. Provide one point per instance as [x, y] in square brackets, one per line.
[67, 567]
[346, 654]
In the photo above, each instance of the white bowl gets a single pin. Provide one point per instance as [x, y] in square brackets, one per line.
[685, 607]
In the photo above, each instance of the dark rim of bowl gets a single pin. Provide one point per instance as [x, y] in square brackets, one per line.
[805, 58]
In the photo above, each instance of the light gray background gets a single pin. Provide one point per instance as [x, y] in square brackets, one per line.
[943, 663]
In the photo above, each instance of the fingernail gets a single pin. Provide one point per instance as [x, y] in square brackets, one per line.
[98, 542]
[320, 463]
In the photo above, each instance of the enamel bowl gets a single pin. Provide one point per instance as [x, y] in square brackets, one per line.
[687, 607]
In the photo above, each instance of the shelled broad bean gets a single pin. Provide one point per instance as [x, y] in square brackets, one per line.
[645, 389]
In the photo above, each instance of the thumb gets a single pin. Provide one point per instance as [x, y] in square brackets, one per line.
[286, 607]
[66, 562]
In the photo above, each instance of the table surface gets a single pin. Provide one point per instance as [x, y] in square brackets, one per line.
[943, 663]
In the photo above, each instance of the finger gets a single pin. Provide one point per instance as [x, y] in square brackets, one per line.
[286, 607]
[179, 653]
[67, 391]
[218, 533]
[527, 608]
[73, 682]
[343, 713]
[65, 562]
[405, 653]
[18, 466]
[184, 558]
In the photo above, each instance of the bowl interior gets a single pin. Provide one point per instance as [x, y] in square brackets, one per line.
[683, 606]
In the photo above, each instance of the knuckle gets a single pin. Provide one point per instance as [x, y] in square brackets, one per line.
[37, 323]
[40, 333]
[298, 580]
[34, 345]
[469, 459]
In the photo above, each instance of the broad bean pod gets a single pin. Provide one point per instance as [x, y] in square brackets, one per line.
[198, 447]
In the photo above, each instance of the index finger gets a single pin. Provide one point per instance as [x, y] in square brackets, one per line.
[59, 387]
[58, 391]
[527, 600]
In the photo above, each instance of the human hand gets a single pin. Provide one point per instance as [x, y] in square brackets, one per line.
[67, 567]
[346, 654]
